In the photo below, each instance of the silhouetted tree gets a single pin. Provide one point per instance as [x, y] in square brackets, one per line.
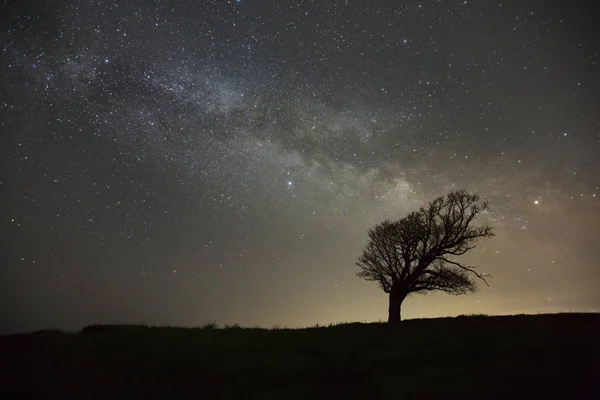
[416, 254]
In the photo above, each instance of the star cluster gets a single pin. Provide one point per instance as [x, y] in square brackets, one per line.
[183, 162]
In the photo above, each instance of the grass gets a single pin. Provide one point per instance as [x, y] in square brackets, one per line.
[524, 356]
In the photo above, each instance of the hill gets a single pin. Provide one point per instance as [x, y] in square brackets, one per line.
[524, 356]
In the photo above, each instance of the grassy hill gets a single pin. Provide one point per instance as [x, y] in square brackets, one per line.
[524, 356]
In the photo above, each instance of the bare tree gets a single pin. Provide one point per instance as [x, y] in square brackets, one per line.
[416, 254]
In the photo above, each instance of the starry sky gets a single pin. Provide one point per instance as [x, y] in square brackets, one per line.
[182, 162]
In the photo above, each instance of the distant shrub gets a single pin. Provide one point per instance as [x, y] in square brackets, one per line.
[98, 328]
[279, 328]
[112, 328]
[210, 325]
[472, 316]
[234, 326]
[47, 332]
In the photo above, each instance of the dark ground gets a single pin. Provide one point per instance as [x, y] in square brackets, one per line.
[527, 356]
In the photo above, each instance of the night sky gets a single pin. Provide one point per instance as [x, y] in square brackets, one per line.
[182, 162]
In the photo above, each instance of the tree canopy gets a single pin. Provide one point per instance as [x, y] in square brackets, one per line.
[417, 253]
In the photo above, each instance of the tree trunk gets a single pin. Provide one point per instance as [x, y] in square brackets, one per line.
[396, 300]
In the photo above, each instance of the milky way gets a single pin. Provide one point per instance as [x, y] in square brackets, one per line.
[186, 162]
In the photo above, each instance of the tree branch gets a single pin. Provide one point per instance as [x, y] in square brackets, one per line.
[468, 269]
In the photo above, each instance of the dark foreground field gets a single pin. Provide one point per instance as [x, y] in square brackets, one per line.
[540, 356]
